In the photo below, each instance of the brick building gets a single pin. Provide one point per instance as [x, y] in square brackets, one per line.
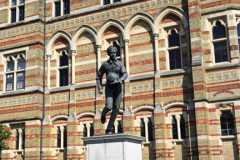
[182, 92]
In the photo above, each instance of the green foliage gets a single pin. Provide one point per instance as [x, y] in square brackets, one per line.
[4, 134]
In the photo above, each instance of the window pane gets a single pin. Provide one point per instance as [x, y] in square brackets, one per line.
[21, 63]
[175, 59]
[91, 130]
[150, 130]
[10, 65]
[65, 137]
[142, 128]
[174, 128]
[218, 31]
[173, 39]
[66, 8]
[57, 9]
[106, 2]
[58, 138]
[9, 82]
[182, 127]
[84, 130]
[227, 123]
[17, 140]
[64, 77]
[220, 49]
[23, 139]
[116, 1]
[21, 1]
[63, 60]
[13, 15]
[20, 80]
[21, 13]
[14, 2]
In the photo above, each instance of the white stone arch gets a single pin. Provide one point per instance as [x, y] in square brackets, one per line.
[79, 31]
[55, 37]
[105, 25]
[143, 108]
[178, 104]
[59, 117]
[170, 9]
[85, 115]
[136, 17]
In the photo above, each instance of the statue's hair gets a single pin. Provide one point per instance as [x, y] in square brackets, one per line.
[111, 48]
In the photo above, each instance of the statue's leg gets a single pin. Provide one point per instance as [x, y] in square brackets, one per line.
[116, 105]
[109, 103]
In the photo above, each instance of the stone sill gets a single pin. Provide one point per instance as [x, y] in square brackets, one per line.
[222, 65]
[181, 71]
[227, 137]
[21, 92]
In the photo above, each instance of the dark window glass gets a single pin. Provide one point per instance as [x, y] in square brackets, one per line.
[9, 82]
[23, 139]
[218, 31]
[118, 48]
[57, 9]
[21, 13]
[21, 1]
[13, 15]
[14, 2]
[150, 130]
[21, 63]
[20, 80]
[227, 123]
[182, 127]
[106, 2]
[173, 39]
[84, 130]
[220, 49]
[65, 137]
[64, 77]
[10, 65]
[120, 128]
[58, 138]
[17, 140]
[239, 46]
[91, 130]
[174, 128]
[66, 7]
[142, 128]
[63, 60]
[238, 29]
[116, 1]
[175, 59]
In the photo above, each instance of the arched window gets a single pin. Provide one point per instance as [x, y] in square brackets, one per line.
[174, 51]
[17, 140]
[227, 123]
[58, 137]
[84, 130]
[65, 137]
[182, 128]
[118, 48]
[23, 139]
[150, 130]
[63, 69]
[91, 129]
[220, 43]
[174, 128]
[142, 128]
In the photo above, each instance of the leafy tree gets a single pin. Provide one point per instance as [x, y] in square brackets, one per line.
[4, 134]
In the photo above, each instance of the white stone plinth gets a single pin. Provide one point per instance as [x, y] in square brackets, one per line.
[119, 146]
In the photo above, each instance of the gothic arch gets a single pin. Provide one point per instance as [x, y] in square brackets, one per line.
[59, 117]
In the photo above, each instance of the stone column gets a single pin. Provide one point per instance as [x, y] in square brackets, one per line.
[48, 56]
[156, 35]
[126, 41]
[98, 56]
[73, 53]
[146, 128]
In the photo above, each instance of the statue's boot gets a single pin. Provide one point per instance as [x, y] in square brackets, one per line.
[103, 116]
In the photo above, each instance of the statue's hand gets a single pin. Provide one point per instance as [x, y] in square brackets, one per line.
[100, 91]
[116, 82]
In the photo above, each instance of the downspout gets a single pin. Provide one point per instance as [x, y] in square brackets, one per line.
[44, 58]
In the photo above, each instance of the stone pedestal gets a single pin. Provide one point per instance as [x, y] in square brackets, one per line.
[119, 146]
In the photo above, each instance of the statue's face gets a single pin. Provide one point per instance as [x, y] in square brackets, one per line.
[113, 54]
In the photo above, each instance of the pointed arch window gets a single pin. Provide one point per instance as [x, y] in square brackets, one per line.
[220, 44]
[142, 128]
[174, 51]
[150, 130]
[84, 130]
[58, 137]
[15, 72]
[63, 68]
[227, 123]
[146, 124]
[61, 137]
[87, 128]
[174, 128]
[182, 127]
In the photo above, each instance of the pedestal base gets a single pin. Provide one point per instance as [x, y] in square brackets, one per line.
[114, 147]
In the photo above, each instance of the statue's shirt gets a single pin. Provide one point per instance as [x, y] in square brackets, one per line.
[114, 69]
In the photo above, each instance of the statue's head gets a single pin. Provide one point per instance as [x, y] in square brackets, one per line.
[111, 49]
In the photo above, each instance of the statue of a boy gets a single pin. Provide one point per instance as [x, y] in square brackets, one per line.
[116, 74]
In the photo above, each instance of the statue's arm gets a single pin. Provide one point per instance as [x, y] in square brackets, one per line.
[123, 73]
[100, 74]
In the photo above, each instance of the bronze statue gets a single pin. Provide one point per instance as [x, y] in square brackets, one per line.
[116, 74]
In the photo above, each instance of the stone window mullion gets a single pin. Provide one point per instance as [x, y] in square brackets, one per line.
[146, 128]
[62, 130]
[88, 129]
[20, 139]
[178, 126]
[116, 126]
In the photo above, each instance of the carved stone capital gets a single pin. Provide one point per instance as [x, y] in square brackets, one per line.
[48, 56]
[99, 46]
[156, 35]
[126, 41]
[73, 52]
